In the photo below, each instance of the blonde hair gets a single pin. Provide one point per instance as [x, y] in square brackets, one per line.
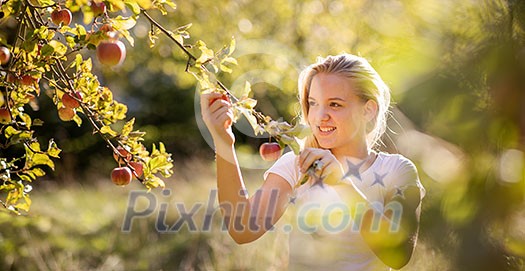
[369, 86]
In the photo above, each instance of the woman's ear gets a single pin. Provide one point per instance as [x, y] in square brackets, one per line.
[371, 109]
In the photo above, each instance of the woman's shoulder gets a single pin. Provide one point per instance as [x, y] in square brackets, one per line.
[403, 172]
[396, 161]
[394, 157]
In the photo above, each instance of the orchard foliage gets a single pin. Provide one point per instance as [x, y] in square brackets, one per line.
[48, 59]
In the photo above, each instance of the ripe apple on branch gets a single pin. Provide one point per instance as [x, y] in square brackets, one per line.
[46, 48]
[204, 64]
[61, 16]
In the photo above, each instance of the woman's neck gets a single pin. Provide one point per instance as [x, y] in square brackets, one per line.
[360, 151]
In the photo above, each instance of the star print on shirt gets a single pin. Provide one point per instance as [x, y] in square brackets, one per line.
[318, 181]
[379, 179]
[292, 199]
[353, 170]
[399, 192]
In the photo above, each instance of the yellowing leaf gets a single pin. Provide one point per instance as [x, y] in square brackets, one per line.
[124, 23]
[108, 131]
[128, 127]
[10, 131]
[52, 149]
[206, 53]
[42, 159]
[134, 6]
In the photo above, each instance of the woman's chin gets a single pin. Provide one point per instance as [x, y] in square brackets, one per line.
[325, 144]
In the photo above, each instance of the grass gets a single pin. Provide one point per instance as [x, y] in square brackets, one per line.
[78, 227]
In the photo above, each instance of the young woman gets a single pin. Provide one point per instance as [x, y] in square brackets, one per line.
[367, 203]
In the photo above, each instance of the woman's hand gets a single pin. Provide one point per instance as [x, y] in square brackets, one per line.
[217, 114]
[327, 167]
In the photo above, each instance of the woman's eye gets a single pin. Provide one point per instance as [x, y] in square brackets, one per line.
[311, 103]
[335, 105]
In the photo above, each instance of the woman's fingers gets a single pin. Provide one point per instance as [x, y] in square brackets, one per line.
[309, 155]
[223, 115]
[323, 162]
[216, 109]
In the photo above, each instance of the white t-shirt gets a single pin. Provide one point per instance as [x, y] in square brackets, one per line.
[322, 234]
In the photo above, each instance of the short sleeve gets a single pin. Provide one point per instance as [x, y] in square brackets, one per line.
[405, 175]
[285, 167]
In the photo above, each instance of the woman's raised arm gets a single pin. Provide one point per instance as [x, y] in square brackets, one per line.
[247, 218]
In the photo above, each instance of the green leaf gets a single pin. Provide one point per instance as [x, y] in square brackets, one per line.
[300, 130]
[25, 204]
[52, 149]
[133, 6]
[162, 148]
[108, 131]
[10, 131]
[290, 141]
[59, 48]
[120, 111]
[77, 120]
[123, 23]
[26, 119]
[154, 182]
[205, 53]
[247, 90]
[35, 146]
[241, 110]
[38, 122]
[25, 178]
[42, 159]
[228, 61]
[184, 28]
[38, 172]
[128, 127]
[80, 30]
[47, 50]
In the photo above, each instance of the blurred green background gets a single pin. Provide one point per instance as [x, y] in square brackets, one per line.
[456, 71]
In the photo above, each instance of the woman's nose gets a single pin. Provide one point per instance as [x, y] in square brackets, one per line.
[323, 115]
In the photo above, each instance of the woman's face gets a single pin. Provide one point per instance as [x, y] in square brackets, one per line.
[336, 114]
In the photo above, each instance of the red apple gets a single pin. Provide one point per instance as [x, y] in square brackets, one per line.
[270, 151]
[223, 97]
[138, 167]
[4, 55]
[61, 16]
[123, 153]
[98, 7]
[71, 102]
[5, 116]
[111, 52]
[121, 176]
[66, 113]
[11, 78]
[28, 80]
[55, 16]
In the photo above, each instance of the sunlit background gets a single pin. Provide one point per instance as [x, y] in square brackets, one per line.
[456, 72]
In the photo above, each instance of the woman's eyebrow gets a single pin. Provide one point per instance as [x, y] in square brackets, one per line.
[337, 99]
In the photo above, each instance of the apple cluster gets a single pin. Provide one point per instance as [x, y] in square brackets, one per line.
[122, 175]
[70, 102]
[110, 52]
[5, 55]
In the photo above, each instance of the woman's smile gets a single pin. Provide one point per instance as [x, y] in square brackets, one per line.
[326, 130]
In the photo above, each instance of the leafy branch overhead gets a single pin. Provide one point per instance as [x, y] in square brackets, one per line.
[205, 64]
[46, 59]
